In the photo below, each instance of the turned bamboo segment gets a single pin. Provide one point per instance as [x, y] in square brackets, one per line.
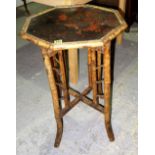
[99, 71]
[52, 82]
[90, 67]
[107, 91]
[57, 73]
[73, 65]
[55, 97]
[63, 78]
[122, 5]
[94, 76]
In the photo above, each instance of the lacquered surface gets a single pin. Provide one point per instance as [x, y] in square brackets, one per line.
[73, 24]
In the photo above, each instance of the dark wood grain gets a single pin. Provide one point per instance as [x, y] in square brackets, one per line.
[73, 24]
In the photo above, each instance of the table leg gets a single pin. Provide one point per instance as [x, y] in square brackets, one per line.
[94, 76]
[54, 93]
[107, 91]
[90, 67]
[122, 5]
[57, 76]
[99, 71]
[63, 77]
[73, 65]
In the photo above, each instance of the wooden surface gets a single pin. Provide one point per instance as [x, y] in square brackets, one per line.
[42, 38]
[73, 24]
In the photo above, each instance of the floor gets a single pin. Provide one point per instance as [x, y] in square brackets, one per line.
[84, 130]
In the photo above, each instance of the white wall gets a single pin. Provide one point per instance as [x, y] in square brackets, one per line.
[20, 2]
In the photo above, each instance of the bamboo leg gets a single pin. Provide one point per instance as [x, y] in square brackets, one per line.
[57, 77]
[59, 132]
[63, 78]
[54, 94]
[89, 67]
[107, 92]
[122, 5]
[99, 71]
[94, 76]
[73, 65]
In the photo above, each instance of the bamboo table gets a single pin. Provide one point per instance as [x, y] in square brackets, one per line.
[62, 28]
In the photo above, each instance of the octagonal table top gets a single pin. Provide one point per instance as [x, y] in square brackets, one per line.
[73, 27]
